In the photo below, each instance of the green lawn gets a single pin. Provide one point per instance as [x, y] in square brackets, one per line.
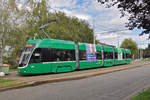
[9, 83]
[13, 70]
[145, 60]
[4, 81]
[145, 95]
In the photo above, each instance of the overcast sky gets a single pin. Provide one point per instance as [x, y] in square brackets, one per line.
[105, 20]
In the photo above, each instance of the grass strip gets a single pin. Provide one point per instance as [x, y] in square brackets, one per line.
[145, 60]
[10, 83]
[145, 95]
[4, 81]
[13, 70]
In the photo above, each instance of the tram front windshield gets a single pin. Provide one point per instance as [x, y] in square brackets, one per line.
[26, 55]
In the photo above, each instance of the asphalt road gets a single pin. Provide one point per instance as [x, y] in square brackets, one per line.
[113, 86]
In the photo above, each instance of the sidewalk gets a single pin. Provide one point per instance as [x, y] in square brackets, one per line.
[49, 78]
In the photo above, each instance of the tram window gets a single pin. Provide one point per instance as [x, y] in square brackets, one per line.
[46, 54]
[111, 55]
[62, 55]
[70, 55]
[99, 55]
[124, 56]
[116, 55]
[128, 55]
[36, 56]
[108, 55]
[82, 55]
[52, 55]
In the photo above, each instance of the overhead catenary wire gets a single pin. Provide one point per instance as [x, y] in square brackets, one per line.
[112, 31]
[103, 27]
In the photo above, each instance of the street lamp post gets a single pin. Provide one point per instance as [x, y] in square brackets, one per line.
[93, 31]
[118, 40]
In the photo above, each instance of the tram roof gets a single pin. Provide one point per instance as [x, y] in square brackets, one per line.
[52, 43]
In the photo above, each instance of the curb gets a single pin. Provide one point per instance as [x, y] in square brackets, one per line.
[75, 77]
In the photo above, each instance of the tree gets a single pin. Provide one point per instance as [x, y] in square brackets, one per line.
[11, 36]
[70, 28]
[138, 11]
[22, 24]
[146, 53]
[5, 26]
[65, 28]
[130, 44]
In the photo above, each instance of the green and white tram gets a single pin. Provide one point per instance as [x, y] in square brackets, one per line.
[55, 56]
